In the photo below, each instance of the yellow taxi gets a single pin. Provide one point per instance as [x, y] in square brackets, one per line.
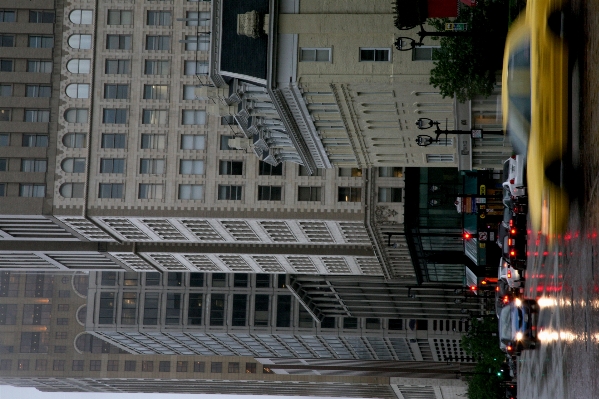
[536, 109]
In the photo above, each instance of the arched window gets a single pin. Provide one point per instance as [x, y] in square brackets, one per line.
[74, 140]
[81, 17]
[72, 190]
[78, 90]
[73, 165]
[78, 65]
[76, 115]
[83, 42]
[82, 313]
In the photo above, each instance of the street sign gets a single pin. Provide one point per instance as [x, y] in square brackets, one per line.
[456, 27]
[482, 236]
[477, 133]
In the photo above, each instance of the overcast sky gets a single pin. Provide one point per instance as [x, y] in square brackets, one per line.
[9, 392]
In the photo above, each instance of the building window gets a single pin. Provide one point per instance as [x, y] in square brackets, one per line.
[266, 169]
[199, 367]
[117, 67]
[34, 140]
[196, 279]
[36, 41]
[155, 92]
[151, 166]
[315, 54]
[262, 280]
[95, 365]
[129, 306]
[154, 117]
[197, 42]
[58, 365]
[250, 368]
[388, 194]
[195, 309]
[120, 17]
[114, 115]
[8, 15]
[6, 90]
[116, 91]
[34, 342]
[425, 53]
[113, 140]
[196, 68]
[113, 365]
[76, 115]
[81, 17]
[164, 366]
[375, 54]
[390, 171]
[191, 167]
[349, 194]
[216, 367]
[5, 114]
[8, 314]
[193, 117]
[157, 67]
[147, 365]
[6, 65]
[151, 307]
[60, 349]
[77, 365]
[41, 364]
[193, 142]
[239, 309]
[191, 191]
[4, 139]
[38, 91]
[194, 18]
[61, 335]
[261, 309]
[217, 309]
[190, 92]
[350, 172]
[229, 192]
[7, 40]
[153, 141]
[40, 17]
[150, 191]
[2, 189]
[81, 42]
[32, 190]
[231, 168]
[283, 311]
[74, 140]
[233, 367]
[112, 165]
[110, 190]
[37, 115]
[181, 367]
[438, 158]
[63, 307]
[77, 90]
[3, 164]
[373, 323]
[309, 193]
[62, 321]
[72, 190]
[159, 18]
[5, 364]
[130, 365]
[158, 42]
[269, 193]
[39, 66]
[33, 165]
[118, 42]
[78, 65]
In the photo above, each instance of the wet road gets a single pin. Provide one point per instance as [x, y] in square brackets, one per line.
[566, 279]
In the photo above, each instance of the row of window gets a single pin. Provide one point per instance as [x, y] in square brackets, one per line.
[196, 42]
[35, 66]
[34, 41]
[179, 279]
[164, 366]
[153, 17]
[421, 53]
[35, 16]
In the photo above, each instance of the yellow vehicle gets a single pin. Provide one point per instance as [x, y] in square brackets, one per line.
[536, 109]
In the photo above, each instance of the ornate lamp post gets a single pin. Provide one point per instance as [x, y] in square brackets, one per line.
[424, 140]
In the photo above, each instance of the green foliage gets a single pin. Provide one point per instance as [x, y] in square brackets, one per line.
[466, 66]
[482, 343]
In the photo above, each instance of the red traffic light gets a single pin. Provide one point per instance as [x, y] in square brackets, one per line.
[467, 236]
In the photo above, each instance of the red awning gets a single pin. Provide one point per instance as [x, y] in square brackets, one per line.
[443, 8]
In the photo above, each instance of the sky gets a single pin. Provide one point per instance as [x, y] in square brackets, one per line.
[9, 392]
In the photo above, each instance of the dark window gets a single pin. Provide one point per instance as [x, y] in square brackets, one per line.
[147, 365]
[106, 315]
[114, 115]
[350, 322]
[283, 310]
[110, 140]
[328, 322]
[153, 278]
[217, 309]
[116, 91]
[305, 318]
[239, 309]
[130, 365]
[261, 307]
[262, 280]
[38, 285]
[129, 308]
[233, 367]
[117, 67]
[5, 364]
[34, 342]
[23, 365]
[111, 190]
[216, 367]
[37, 314]
[175, 279]
[41, 364]
[281, 281]
[112, 165]
[196, 279]
[373, 323]
[118, 42]
[240, 280]
[395, 324]
[58, 365]
[77, 365]
[269, 193]
[234, 168]
[194, 313]
[36, 41]
[349, 194]
[173, 309]
[34, 140]
[375, 54]
[7, 41]
[181, 367]
[199, 367]
[41, 17]
[108, 279]
[95, 365]
[219, 279]
[9, 284]
[8, 16]
[266, 169]
[309, 193]
[164, 366]
[8, 314]
[112, 365]
[6, 65]
[151, 305]
[250, 368]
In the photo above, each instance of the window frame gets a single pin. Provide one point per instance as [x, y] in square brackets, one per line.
[376, 51]
[305, 54]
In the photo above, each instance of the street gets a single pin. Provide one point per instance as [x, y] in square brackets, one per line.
[565, 280]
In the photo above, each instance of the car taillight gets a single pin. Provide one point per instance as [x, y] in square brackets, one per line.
[513, 231]
[509, 241]
[509, 274]
[512, 253]
[511, 222]
[512, 181]
[508, 348]
[506, 299]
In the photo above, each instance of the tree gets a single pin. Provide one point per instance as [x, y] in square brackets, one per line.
[466, 66]
[482, 343]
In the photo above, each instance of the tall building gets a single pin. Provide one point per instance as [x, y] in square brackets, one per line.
[43, 344]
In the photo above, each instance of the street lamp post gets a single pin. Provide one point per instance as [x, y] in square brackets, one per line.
[424, 140]
[400, 43]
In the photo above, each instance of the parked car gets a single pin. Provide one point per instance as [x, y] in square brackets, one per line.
[511, 238]
[518, 325]
[513, 175]
[536, 106]
[503, 295]
[513, 277]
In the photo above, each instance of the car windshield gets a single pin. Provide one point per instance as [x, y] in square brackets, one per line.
[505, 323]
[519, 89]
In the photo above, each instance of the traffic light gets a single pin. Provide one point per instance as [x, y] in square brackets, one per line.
[467, 235]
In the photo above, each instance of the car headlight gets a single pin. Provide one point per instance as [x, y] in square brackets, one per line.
[518, 302]
[519, 336]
